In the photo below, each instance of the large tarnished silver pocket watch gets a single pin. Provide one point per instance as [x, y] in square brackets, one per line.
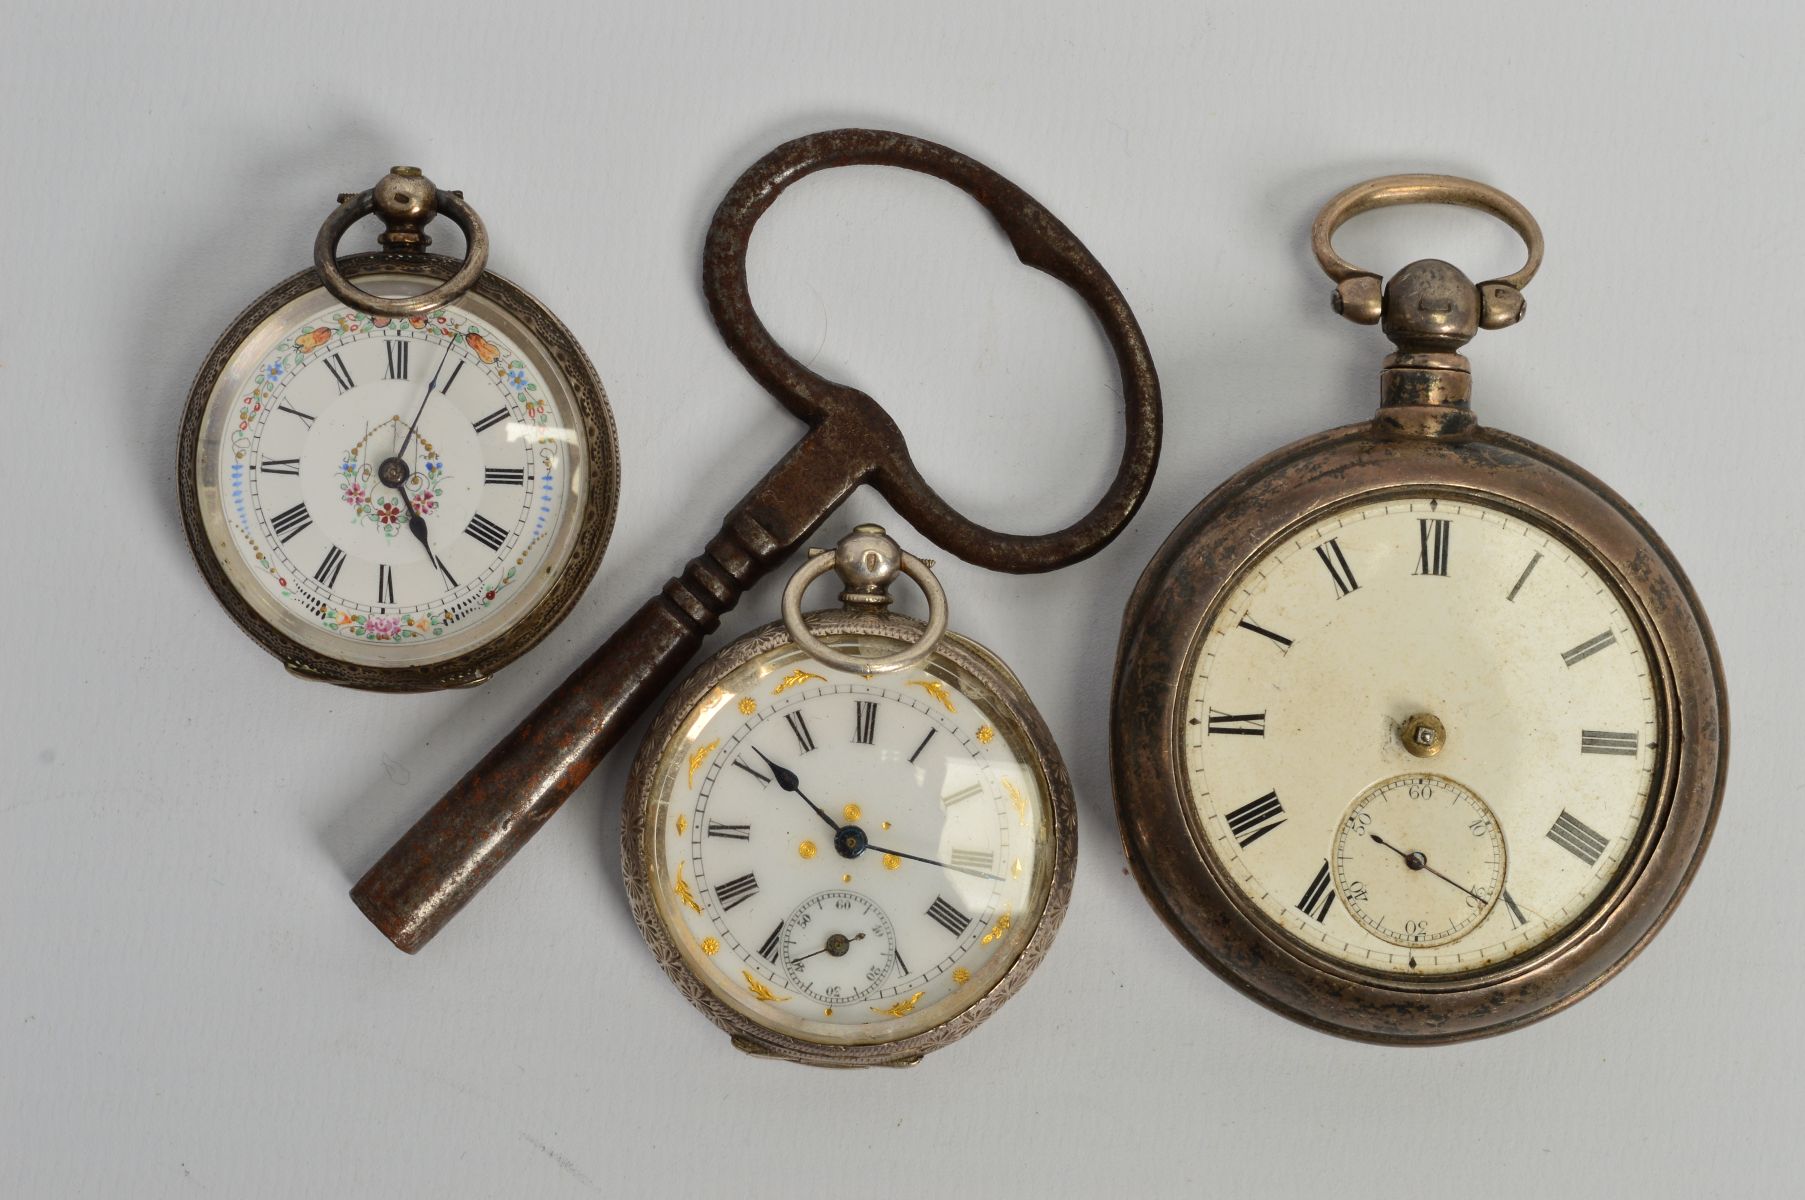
[398, 471]
[849, 837]
[1419, 732]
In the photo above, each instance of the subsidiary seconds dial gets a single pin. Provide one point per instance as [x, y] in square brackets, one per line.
[1419, 860]
[838, 947]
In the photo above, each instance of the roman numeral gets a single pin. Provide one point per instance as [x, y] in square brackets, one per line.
[280, 466]
[735, 833]
[493, 419]
[1283, 642]
[340, 373]
[1316, 901]
[864, 725]
[752, 771]
[287, 524]
[950, 918]
[1591, 741]
[397, 358]
[923, 746]
[1588, 648]
[306, 418]
[735, 892]
[445, 571]
[962, 794]
[486, 531]
[1339, 571]
[504, 476]
[1517, 919]
[1255, 819]
[1571, 833]
[768, 951]
[1247, 724]
[330, 566]
[799, 727]
[1524, 577]
[973, 860]
[1432, 557]
[455, 368]
[385, 584]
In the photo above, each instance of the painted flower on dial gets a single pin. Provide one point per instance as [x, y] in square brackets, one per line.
[425, 502]
[485, 349]
[382, 628]
[388, 513]
[355, 495]
[517, 379]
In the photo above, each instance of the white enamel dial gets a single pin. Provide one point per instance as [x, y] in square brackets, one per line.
[1299, 711]
[439, 553]
[849, 859]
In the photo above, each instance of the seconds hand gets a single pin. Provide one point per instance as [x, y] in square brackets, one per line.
[1416, 860]
[828, 949]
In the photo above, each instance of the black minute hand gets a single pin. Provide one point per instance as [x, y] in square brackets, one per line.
[934, 862]
[432, 383]
[786, 779]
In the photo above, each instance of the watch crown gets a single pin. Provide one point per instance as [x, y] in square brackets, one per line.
[867, 561]
[407, 201]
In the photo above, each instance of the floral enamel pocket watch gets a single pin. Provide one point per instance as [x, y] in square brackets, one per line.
[1418, 730]
[398, 471]
[849, 836]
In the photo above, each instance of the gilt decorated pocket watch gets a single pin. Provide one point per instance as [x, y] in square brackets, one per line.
[849, 836]
[1418, 730]
[398, 471]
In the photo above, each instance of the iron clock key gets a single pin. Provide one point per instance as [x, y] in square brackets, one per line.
[830, 948]
[312, 462]
[1411, 588]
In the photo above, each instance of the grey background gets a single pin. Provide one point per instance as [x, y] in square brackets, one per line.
[190, 1005]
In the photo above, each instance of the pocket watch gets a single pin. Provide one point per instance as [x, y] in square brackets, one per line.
[1418, 730]
[398, 471]
[849, 836]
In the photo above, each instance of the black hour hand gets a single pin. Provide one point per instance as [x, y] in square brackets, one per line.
[786, 778]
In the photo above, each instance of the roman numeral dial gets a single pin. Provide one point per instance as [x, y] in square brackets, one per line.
[375, 486]
[1432, 555]
[341, 374]
[1334, 561]
[946, 914]
[1255, 819]
[1431, 657]
[859, 849]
